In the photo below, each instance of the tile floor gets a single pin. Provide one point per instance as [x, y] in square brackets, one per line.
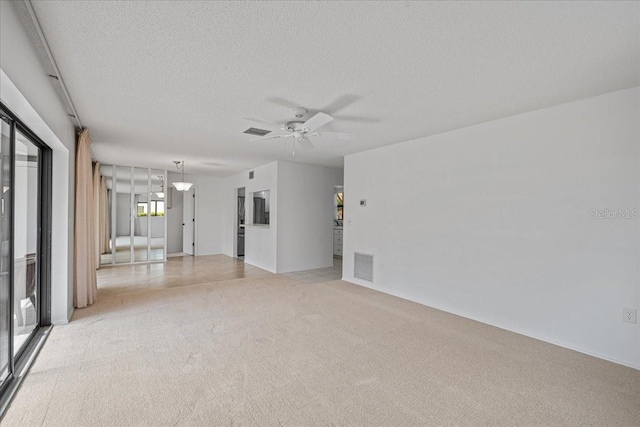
[319, 275]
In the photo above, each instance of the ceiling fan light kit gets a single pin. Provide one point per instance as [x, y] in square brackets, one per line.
[181, 185]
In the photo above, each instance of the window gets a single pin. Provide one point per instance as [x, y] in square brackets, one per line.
[142, 208]
[157, 208]
[340, 206]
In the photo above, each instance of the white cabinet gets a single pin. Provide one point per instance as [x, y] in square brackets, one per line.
[337, 241]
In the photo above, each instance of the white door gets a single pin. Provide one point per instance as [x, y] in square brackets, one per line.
[189, 221]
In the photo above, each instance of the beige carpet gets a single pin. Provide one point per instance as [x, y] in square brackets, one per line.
[210, 342]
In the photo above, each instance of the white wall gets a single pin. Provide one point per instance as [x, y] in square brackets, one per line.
[493, 222]
[306, 212]
[27, 91]
[260, 240]
[300, 233]
[174, 216]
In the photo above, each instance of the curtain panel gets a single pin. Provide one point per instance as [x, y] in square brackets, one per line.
[85, 283]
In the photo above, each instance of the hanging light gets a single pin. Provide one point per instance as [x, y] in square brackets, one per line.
[181, 185]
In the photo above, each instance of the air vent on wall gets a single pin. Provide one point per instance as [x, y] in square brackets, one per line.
[363, 266]
[257, 132]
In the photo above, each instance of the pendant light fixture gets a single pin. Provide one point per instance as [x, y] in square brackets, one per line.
[160, 193]
[181, 185]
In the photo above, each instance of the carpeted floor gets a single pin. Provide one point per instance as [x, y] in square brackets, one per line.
[209, 341]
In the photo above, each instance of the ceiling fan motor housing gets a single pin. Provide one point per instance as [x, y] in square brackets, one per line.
[294, 125]
[299, 112]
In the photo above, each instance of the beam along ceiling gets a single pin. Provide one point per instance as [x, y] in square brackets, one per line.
[158, 81]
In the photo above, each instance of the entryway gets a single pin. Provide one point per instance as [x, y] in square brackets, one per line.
[189, 222]
[240, 224]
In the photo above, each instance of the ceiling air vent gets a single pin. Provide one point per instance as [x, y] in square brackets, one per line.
[257, 132]
[363, 266]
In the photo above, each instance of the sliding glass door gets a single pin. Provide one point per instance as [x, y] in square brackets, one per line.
[5, 259]
[25, 240]
[25, 172]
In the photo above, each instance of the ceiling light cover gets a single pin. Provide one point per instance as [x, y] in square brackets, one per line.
[182, 186]
[160, 194]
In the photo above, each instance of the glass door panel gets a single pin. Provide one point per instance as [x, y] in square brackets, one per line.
[5, 261]
[142, 218]
[25, 240]
[123, 215]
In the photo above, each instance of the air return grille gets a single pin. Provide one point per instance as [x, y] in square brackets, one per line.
[257, 132]
[363, 266]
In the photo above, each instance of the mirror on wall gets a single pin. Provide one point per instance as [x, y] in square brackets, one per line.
[124, 238]
[141, 221]
[131, 220]
[104, 214]
[261, 207]
[157, 209]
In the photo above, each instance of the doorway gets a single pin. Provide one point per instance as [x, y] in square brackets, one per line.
[240, 224]
[25, 221]
[338, 219]
[189, 222]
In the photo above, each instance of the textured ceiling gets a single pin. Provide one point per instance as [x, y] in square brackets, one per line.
[161, 81]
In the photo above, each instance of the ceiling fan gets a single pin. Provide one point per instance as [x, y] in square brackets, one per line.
[301, 130]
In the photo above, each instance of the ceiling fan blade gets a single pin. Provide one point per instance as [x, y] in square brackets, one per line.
[305, 143]
[317, 121]
[262, 122]
[341, 103]
[340, 135]
[356, 119]
[262, 138]
[282, 102]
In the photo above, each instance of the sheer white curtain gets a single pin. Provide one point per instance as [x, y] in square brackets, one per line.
[85, 284]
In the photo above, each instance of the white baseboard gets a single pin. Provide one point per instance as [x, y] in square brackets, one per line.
[497, 325]
[64, 321]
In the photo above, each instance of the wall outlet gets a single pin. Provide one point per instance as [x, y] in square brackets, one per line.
[630, 315]
[363, 202]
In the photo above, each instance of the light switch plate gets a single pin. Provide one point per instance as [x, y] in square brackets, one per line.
[630, 315]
